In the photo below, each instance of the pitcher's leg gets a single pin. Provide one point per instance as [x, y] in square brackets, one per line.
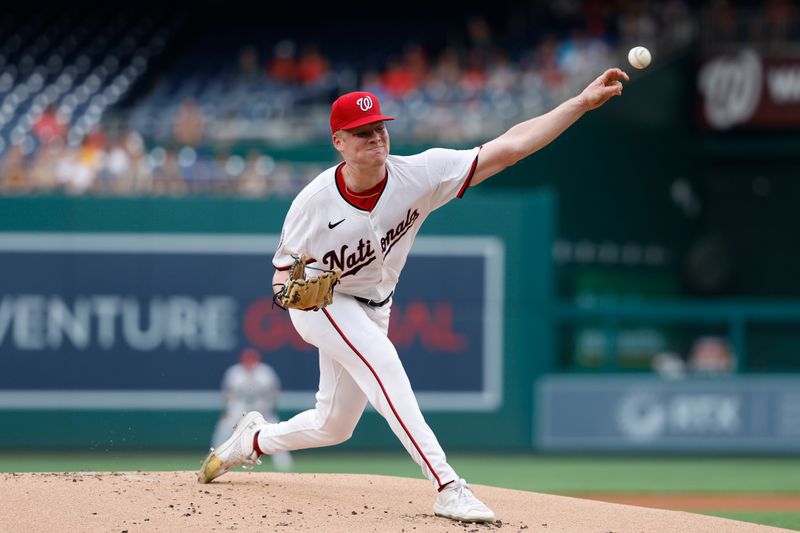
[371, 359]
[340, 403]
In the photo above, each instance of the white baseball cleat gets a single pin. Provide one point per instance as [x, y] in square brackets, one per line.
[456, 501]
[237, 450]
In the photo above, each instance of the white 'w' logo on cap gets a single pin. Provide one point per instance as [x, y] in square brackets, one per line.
[364, 103]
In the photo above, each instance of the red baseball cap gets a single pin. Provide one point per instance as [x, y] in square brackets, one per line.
[356, 109]
[250, 357]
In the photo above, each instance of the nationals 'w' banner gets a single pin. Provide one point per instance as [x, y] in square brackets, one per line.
[747, 90]
[152, 321]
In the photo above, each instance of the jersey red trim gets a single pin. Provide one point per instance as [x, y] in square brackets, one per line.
[469, 177]
[386, 395]
[362, 204]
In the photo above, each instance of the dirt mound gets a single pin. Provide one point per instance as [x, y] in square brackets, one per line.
[258, 502]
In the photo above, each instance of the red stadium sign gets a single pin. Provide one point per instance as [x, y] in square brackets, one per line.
[748, 90]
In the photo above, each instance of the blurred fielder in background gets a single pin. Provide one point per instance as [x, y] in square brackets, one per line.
[250, 385]
[357, 221]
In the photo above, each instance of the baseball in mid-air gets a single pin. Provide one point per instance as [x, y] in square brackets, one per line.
[639, 57]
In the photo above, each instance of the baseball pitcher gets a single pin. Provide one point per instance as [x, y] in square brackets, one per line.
[344, 242]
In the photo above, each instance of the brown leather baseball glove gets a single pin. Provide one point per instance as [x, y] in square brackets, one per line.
[304, 293]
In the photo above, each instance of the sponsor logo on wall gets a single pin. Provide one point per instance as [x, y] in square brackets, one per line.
[646, 417]
[154, 320]
[647, 413]
[748, 90]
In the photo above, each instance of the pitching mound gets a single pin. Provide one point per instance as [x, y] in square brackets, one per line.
[258, 502]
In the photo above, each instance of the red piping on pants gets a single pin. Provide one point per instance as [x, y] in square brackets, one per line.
[386, 395]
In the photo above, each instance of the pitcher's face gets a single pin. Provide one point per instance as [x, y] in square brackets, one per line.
[367, 145]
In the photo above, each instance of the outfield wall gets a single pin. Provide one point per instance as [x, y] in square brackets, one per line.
[118, 317]
[646, 414]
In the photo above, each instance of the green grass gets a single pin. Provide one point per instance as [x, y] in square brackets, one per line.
[589, 474]
[775, 519]
[525, 472]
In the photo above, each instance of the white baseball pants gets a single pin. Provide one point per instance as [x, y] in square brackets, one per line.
[357, 363]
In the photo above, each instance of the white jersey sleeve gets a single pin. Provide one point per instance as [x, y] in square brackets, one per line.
[450, 172]
[294, 238]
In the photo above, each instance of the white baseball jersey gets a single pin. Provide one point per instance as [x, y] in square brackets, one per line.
[250, 390]
[357, 361]
[371, 247]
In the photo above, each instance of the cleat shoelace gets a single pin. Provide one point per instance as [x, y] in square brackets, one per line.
[464, 493]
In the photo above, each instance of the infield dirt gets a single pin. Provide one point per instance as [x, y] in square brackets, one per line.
[258, 502]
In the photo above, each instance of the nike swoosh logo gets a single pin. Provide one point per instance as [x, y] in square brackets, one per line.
[331, 225]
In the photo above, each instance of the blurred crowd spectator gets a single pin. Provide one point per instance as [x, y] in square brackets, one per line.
[710, 355]
[125, 166]
[488, 75]
[770, 24]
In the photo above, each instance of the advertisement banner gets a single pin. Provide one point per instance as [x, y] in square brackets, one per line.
[632, 413]
[107, 321]
[748, 90]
